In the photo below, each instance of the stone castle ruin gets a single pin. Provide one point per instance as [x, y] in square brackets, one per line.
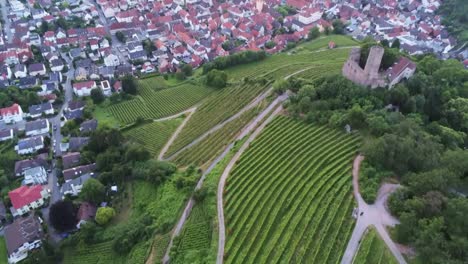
[369, 76]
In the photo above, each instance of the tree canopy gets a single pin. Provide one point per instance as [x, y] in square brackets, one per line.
[62, 215]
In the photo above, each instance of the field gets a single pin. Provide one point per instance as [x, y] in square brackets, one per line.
[154, 135]
[322, 43]
[212, 145]
[3, 251]
[152, 103]
[101, 253]
[289, 198]
[373, 250]
[216, 109]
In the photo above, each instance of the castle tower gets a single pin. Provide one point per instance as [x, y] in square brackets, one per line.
[373, 62]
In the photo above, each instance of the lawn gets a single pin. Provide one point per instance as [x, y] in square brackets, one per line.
[104, 117]
[3, 251]
[289, 197]
[373, 250]
[154, 135]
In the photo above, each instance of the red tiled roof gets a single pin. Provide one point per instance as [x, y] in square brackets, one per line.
[12, 110]
[25, 195]
[82, 85]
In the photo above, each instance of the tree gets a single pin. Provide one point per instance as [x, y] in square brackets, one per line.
[314, 33]
[92, 191]
[396, 44]
[270, 44]
[129, 84]
[120, 36]
[280, 86]
[62, 215]
[338, 26]
[216, 78]
[180, 75]
[187, 69]
[385, 43]
[153, 171]
[97, 96]
[104, 215]
[136, 152]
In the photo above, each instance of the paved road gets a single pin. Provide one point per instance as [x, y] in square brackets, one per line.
[7, 25]
[372, 215]
[231, 164]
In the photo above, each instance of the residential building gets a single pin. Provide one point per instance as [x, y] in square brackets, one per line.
[106, 88]
[73, 173]
[29, 145]
[86, 212]
[39, 110]
[27, 198]
[111, 60]
[12, 114]
[35, 176]
[38, 161]
[70, 160]
[6, 134]
[37, 127]
[73, 187]
[88, 126]
[84, 88]
[22, 236]
[403, 69]
[36, 69]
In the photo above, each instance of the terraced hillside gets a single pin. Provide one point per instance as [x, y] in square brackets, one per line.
[215, 109]
[373, 250]
[289, 198]
[154, 135]
[153, 103]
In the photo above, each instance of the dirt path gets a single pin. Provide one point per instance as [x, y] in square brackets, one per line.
[371, 215]
[176, 133]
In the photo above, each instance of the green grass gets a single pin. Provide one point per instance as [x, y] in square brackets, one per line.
[104, 117]
[216, 109]
[154, 135]
[373, 250]
[3, 251]
[322, 43]
[207, 149]
[289, 198]
[160, 244]
[155, 101]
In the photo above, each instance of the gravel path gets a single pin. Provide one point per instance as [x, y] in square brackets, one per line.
[176, 133]
[372, 215]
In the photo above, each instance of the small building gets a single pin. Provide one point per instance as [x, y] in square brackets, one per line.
[22, 165]
[20, 71]
[404, 68]
[73, 187]
[29, 145]
[71, 160]
[106, 88]
[6, 134]
[73, 173]
[76, 106]
[38, 110]
[111, 60]
[86, 212]
[35, 176]
[37, 127]
[22, 236]
[76, 143]
[12, 114]
[27, 198]
[88, 126]
[84, 88]
[36, 69]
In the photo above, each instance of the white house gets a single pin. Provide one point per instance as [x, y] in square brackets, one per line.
[29, 145]
[111, 60]
[35, 176]
[23, 235]
[106, 88]
[84, 88]
[20, 71]
[36, 111]
[12, 114]
[6, 134]
[27, 198]
[37, 127]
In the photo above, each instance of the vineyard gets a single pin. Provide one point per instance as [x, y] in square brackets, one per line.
[283, 64]
[322, 43]
[101, 253]
[216, 109]
[289, 198]
[154, 104]
[154, 135]
[208, 148]
[319, 71]
[373, 250]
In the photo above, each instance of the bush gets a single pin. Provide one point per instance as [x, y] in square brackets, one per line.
[216, 78]
[104, 215]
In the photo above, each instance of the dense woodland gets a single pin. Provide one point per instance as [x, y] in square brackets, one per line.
[455, 18]
[415, 132]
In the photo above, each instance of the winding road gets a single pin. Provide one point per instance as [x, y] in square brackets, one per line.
[371, 215]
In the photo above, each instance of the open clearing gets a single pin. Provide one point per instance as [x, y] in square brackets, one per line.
[289, 198]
